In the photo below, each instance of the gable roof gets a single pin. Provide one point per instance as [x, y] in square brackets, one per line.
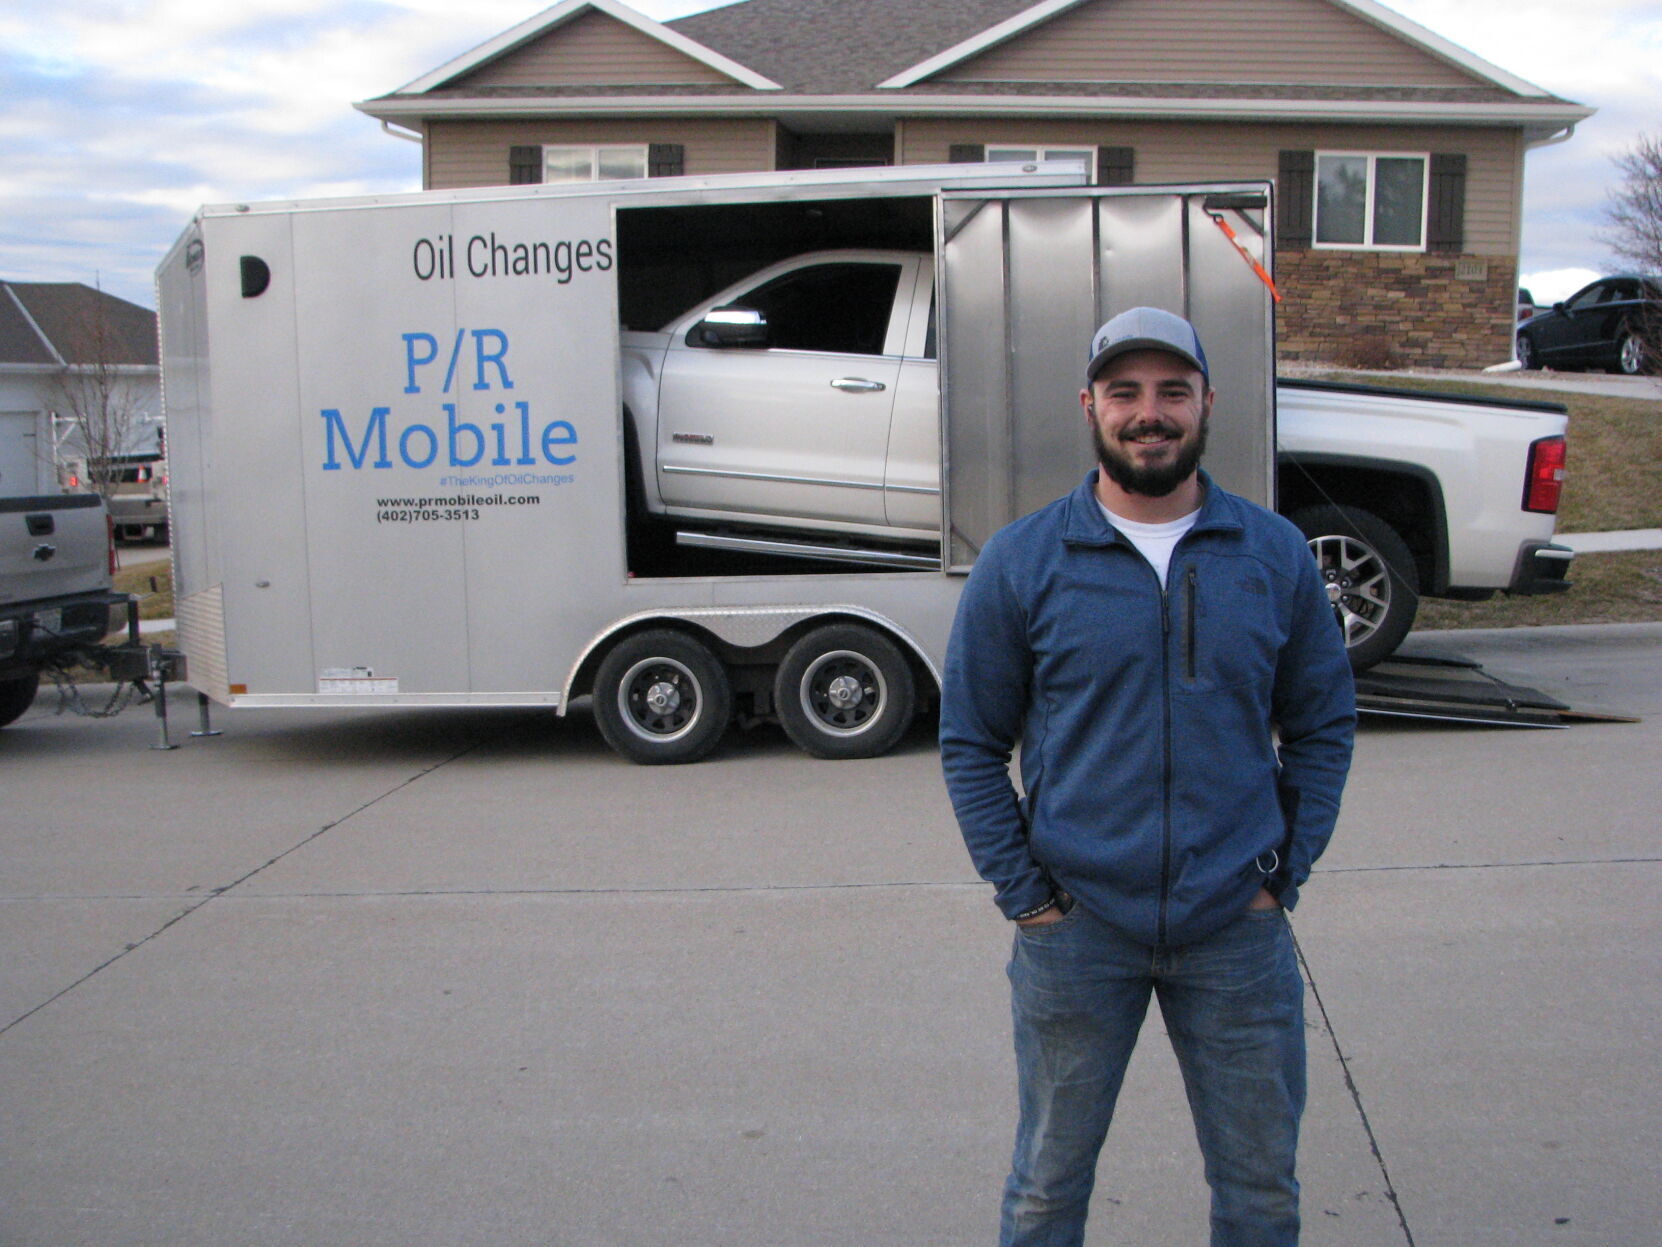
[550, 18]
[854, 43]
[1367, 10]
[55, 323]
[891, 58]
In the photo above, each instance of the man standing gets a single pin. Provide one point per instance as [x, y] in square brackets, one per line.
[1167, 657]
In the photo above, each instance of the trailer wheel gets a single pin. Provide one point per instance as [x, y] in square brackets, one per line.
[662, 697]
[1370, 577]
[17, 694]
[844, 691]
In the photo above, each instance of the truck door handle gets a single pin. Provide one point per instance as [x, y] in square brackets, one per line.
[857, 385]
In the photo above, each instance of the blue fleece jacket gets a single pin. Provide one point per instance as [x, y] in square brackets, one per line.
[1149, 716]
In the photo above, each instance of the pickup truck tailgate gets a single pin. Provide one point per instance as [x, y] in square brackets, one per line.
[52, 546]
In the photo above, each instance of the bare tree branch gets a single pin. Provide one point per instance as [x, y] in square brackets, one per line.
[1633, 216]
[1633, 232]
[99, 399]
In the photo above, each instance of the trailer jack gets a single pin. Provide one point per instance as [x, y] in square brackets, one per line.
[141, 673]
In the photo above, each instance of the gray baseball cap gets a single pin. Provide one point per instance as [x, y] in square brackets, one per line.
[1145, 329]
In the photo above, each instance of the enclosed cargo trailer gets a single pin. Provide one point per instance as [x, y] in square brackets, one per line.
[397, 466]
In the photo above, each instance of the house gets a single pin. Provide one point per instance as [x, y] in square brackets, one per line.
[72, 358]
[1398, 156]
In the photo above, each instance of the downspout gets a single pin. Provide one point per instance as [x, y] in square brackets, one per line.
[409, 136]
[1513, 365]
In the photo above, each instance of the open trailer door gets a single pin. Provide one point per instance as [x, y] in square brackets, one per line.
[1026, 277]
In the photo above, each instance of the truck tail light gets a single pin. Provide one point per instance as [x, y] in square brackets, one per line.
[1544, 475]
[109, 544]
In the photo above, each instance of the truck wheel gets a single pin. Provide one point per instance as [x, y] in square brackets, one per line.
[1370, 577]
[17, 694]
[1631, 353]
[1527, 359]
[844, 691]
[662, 697]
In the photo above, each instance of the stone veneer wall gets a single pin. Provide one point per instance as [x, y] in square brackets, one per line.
[1390, 309]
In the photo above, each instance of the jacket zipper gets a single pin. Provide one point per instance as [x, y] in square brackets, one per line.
[1166, 768]
[1189, 624]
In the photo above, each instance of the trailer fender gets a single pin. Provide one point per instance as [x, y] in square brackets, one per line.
[739, 627]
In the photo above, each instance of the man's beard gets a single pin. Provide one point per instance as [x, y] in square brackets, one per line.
[1152, 482]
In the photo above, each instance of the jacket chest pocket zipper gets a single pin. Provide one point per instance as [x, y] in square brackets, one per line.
[1189, 623]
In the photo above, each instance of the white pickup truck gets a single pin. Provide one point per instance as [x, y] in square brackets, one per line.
[805, 399]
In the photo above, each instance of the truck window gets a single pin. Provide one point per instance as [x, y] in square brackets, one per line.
[841, 308]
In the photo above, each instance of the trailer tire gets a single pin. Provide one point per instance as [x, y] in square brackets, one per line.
[1370, 577]
[845, 691]
[662, 697]
[17, 694]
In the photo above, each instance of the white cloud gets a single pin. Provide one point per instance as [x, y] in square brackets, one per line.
[123, 116]
[1552, 285]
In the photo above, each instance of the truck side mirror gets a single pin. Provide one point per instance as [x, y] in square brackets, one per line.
[730, 326]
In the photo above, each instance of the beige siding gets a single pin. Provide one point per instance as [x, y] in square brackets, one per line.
[1282, 41]
[592, 49]
[1188, 152]
[475, 153]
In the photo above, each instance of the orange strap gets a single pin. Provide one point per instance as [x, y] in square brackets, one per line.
[1258, 268]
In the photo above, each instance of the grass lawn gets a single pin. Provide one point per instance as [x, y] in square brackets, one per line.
[153, 582]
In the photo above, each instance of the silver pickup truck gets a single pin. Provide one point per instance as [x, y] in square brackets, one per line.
[805, 400]
[54, 587]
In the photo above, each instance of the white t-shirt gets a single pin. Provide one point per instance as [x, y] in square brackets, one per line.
[1155, 541]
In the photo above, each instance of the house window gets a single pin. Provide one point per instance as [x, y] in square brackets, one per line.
[1370, 201]
[593, 164]
[1085, 157]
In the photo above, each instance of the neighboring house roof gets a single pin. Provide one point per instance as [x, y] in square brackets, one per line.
[65, 322]
[969, 57]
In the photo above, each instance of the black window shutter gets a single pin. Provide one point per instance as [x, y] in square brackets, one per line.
[1295, 200]
[666, 160]
[1115, 166]
[1445, 228]
[966, 153]
[524, 165]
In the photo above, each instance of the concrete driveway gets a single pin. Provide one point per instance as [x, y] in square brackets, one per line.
[445, 978]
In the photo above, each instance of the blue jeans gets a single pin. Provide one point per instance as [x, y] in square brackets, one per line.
[1233, 1004]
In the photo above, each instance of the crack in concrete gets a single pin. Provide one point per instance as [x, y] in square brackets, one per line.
[1355, 1095]
[1561, 861]
[213, 894]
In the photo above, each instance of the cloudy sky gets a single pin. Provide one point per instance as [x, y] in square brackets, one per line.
[119, 117]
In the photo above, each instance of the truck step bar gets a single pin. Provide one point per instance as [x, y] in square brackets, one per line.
[862, 556]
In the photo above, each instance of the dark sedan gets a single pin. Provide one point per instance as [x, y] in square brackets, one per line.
[1615, 323]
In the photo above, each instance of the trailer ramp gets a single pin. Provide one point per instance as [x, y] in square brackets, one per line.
[1458, 690]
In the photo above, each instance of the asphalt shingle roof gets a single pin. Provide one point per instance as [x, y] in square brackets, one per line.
[72, 318]
[839, 46]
